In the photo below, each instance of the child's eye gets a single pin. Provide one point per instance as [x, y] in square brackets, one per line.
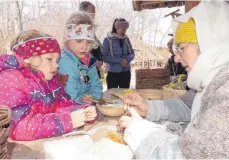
[49, 59]
[79, 41]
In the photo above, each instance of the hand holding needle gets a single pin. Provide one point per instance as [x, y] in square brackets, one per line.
[126, 106]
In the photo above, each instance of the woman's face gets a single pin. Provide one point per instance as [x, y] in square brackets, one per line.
[187, 54]
[81, 48]
[46, 63]
[121, 31]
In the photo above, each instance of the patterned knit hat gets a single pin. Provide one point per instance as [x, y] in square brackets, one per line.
[36, 47]
[186, 32]
[121, 24]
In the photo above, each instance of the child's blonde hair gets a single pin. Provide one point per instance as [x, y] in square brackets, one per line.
[25, 36]
[78, 18]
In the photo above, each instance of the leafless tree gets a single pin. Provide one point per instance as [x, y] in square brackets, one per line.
[49, 16]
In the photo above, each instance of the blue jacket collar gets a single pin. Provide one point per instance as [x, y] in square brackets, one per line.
[66, 52]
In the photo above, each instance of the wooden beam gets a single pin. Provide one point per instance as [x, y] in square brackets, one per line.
[139, 5]
[136, 5]
[150, 2]
[191, 4]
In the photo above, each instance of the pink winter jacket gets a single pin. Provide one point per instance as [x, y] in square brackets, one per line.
[40, 108]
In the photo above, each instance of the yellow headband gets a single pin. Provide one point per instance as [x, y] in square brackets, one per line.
[186, 32]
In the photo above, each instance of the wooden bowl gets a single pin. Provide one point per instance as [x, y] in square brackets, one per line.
[112, 111]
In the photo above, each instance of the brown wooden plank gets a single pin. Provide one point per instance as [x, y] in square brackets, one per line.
[191, 4]
[139, 5]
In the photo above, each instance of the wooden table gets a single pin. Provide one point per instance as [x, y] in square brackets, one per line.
[34, 149]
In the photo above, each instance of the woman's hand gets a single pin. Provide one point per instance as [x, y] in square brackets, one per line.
[124, 63]
[136, 101]
[136, 128]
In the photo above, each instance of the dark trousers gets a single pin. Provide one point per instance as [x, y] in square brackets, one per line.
[98, 71]
[118, 80]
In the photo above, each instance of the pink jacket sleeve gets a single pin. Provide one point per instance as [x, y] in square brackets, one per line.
[31, 120]
[64, 102]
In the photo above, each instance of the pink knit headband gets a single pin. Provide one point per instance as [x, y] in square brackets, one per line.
[37, 47]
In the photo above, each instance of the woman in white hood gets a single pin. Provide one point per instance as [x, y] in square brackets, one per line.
[202, 46]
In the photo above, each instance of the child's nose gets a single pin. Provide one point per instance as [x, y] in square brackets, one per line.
[86, 44]
[56, 65]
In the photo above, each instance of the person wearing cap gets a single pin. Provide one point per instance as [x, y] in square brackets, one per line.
[118, 54]
[202, 46]
[97, 48]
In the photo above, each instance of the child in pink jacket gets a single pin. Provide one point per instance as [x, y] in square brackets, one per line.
[30, 87]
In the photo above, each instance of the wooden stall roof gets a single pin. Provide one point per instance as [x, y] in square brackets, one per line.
[139, 5]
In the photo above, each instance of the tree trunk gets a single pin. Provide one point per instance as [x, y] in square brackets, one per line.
[19, 17]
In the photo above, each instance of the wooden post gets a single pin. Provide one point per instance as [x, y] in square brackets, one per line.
[191, 4]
